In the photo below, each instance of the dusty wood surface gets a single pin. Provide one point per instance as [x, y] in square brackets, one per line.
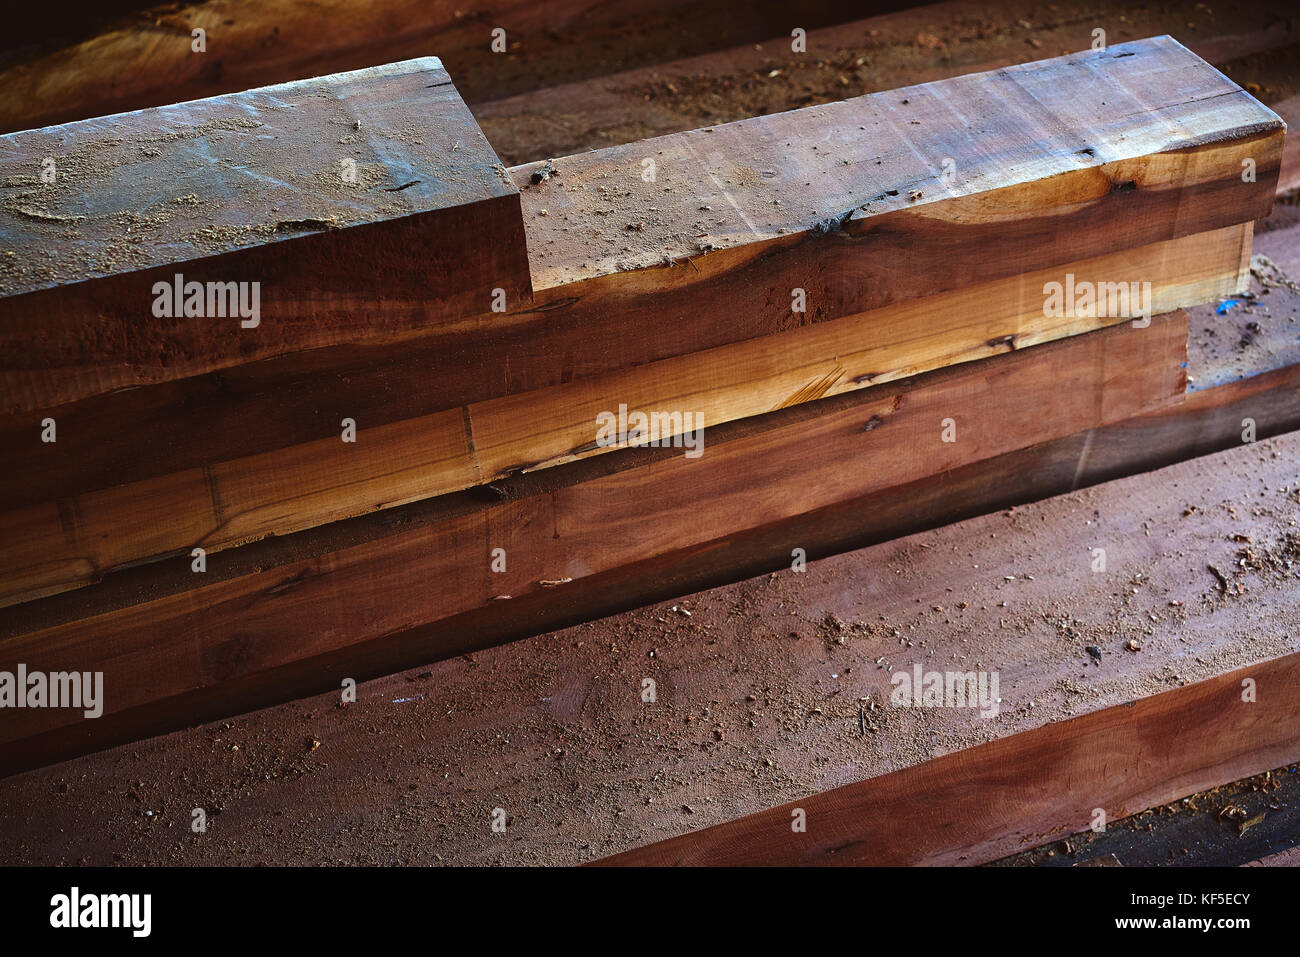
[1209, 420]
[248, 188]
[985, 801]
[246, 622]
[553, 342]
[1252, 41]
[948, 47]
[1119, 189]
[259, 163]
[148, 59]
[1257, 329]
[1170, 166]
[1032, 139]
[69, 540]
[603, 73]
[757, 697]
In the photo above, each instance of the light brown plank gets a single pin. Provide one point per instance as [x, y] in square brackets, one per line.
[76, 540]
[555, 731]
[406, 578]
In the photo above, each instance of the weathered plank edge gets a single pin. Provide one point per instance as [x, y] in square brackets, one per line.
[1123, 759]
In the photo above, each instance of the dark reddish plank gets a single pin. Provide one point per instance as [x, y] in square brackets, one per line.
[375, 578]
[976, 805]
[554, 729]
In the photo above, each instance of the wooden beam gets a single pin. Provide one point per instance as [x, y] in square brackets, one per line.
[357, 206]
[1205, 422]
[151, 59]
[71, 537]
[258, 469]
[262, 615]
[850, 203]
[860, 215]
[973, 806]
[1208, 420]
[555, 730]
[558, 119]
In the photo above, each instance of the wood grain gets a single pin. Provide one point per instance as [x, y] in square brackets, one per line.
[72, 540]
[1015, 152]
[248, 188]
[849, 202]
[411, 576]
[879, 53]
[984, 802]
[148, 60]
[554, 728]
[1205, 422]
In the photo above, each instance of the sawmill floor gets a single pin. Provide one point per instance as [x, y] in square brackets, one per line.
[699, 64]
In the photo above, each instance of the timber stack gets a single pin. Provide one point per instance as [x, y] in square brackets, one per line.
[303, 386]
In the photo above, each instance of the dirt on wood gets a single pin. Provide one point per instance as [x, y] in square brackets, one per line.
[634, 102]
[762, 692]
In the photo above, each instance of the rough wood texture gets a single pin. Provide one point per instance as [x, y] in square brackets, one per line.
[250, 622]
[1048, 176]
[973, 806]
[148, 60]
[554, 729]
[1060, 136]
[1013, 202]
[916, 45]
[248, 188]
[1208, 421]
[849, 203]
[71, 539]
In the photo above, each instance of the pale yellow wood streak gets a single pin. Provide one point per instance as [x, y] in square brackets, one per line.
[56, 546]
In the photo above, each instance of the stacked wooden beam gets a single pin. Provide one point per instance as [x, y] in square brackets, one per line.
[757, 709]
[385, 459]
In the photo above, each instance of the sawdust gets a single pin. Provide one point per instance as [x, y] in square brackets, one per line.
[766, 691]
[218, 183]
[553, 729]
[1247, 334]
[885, 53]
